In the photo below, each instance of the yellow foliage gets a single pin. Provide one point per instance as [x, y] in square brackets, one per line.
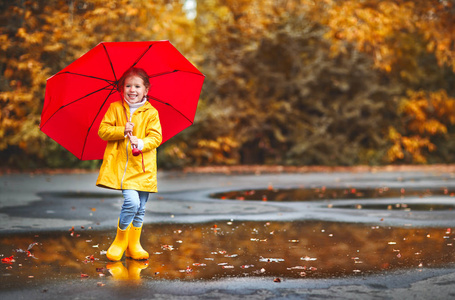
[413, 145]
[218, 151]
[42, 37]
[377, 28]
[428, 114]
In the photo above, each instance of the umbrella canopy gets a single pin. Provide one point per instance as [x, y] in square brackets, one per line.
[78, 96]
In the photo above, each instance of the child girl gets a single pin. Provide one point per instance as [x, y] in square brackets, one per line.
[130, 123]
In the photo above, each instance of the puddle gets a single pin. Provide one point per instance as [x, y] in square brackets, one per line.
[79, 195]
[305, 249]
[322, 193]
[401, 206]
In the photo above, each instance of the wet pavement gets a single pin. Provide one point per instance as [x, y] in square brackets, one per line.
[368, 235]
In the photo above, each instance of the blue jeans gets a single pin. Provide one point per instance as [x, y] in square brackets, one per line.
[133, 208]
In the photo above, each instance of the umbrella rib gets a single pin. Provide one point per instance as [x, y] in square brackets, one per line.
[174, 71]
[110, 62]
[63, 106]
[165, 103]
[160, 74]
[142, 55]
[93, 121]
[89, 94]
[88, 76]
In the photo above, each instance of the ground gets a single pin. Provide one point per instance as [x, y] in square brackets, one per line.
[36, 203]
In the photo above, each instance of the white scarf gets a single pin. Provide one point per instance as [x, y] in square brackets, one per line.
[134, 106]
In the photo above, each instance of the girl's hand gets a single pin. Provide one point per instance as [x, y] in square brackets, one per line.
[134, 141]
[129, 128]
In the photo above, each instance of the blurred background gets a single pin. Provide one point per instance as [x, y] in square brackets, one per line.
[288, 82]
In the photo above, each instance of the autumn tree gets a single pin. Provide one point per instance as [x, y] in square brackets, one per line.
[413, 41]
[39, 38]
[275, 94]
[288, 81]
[325, 82]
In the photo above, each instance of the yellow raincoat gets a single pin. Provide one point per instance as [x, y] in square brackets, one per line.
[120, 169]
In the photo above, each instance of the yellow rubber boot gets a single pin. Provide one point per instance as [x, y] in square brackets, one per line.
[135, 250]
[118, 270]
[135, 267]
[118, 247]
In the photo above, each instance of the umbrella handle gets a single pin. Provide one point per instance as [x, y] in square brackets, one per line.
[135, 151]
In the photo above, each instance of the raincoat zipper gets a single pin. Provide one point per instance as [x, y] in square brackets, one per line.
[126, 166]
[127, 158]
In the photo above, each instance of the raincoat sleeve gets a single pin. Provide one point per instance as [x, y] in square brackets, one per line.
[153, 136]
[109, 130]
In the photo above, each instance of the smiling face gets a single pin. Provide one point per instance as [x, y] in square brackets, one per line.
[134, 89]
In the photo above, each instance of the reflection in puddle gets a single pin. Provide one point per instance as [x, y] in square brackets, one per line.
[401, 206]
[322, 193]
[301, 249]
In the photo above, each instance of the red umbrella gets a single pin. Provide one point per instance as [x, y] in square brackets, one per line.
[78, 96]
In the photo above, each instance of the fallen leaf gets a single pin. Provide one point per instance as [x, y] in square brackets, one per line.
[8, 260]
[246, 266]
[231, 255]
[199, 264]
[298, 268]
[167, 247]
[307, 258]
[262, 259]
[32, 245]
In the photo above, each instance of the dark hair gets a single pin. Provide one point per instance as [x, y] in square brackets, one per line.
[133, 72]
